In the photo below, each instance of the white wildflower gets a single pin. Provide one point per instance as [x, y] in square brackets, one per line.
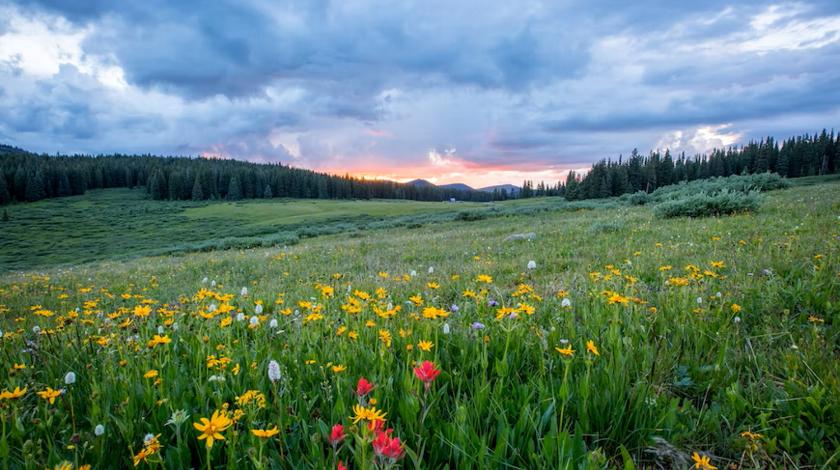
[258, 309]
[566, 302]
[70, 378]
[273, 371]
[243, 292]
[532, 264]
[446, 328]
[99, 430]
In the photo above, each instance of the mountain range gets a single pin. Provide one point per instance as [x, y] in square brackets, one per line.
[510, 188]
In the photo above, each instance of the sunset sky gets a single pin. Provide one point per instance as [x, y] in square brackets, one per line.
[483, 92]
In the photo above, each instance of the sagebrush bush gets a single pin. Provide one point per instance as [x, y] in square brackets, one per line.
[705, 204]
[639, 198]
[738, 183]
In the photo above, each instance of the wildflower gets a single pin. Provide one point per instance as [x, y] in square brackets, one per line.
[273, 324]
[446, 328]
[243, 292]
[735, 308]
[150, 447]
[254, 321]
[251, 396]
[337, 434]
[702, 462]
[427, 373]
[177, 418]
[340, 466]
[385, 337]
[565, 303]
[13, 395]
[751, 435]
[386, 446]
[431, 269]
[371, 415]
[485, 278]
[566, 351]
[590, 346]
[425, 345]
[142, 311]
[433, 313]
[64, 465]
[363, 387]
[265, 433]
[240, 316]
[258, 309]
[99, 430]
[211, 429]
[454, 308]
[338, 368]
[151, 374]
[49, 394]
[532, 264]
[70, 378]
[273, 371]
[433, 285]
[477, 326]
[158, 339]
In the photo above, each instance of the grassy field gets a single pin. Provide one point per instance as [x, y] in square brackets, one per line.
[123, 223]
[632, 342]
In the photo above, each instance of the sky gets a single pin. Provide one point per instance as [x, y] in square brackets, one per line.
[480, 92]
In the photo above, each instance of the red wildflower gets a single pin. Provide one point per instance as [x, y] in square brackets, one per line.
[337, 435]
[376, 425]
[386, 446]
[427, 372]
[341, 466]
[363, 387]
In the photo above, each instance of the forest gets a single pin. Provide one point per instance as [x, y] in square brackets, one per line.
[805, 155]
[28, 177]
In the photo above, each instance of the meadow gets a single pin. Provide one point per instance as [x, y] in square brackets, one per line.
[613, 338]
[125, 223]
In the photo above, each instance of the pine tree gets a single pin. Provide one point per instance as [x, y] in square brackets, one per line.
[35, 190]
[234, 189]
[64, 188]
[197, 192]
[267, 192]
[5, 215]
[5, 196]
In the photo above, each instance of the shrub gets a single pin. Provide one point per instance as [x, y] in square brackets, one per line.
[639, 198]
[704, 204]
[606, 227]
[470, 215]
[712, 186]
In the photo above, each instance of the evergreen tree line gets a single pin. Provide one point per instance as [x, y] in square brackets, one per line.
[805, 155]
[25, 176]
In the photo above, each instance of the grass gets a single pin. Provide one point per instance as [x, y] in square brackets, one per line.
[124, 223]
[717, 336]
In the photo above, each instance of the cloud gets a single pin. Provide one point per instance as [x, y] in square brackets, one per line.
[369, 86]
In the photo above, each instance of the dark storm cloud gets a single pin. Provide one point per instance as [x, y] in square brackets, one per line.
[327, 83]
